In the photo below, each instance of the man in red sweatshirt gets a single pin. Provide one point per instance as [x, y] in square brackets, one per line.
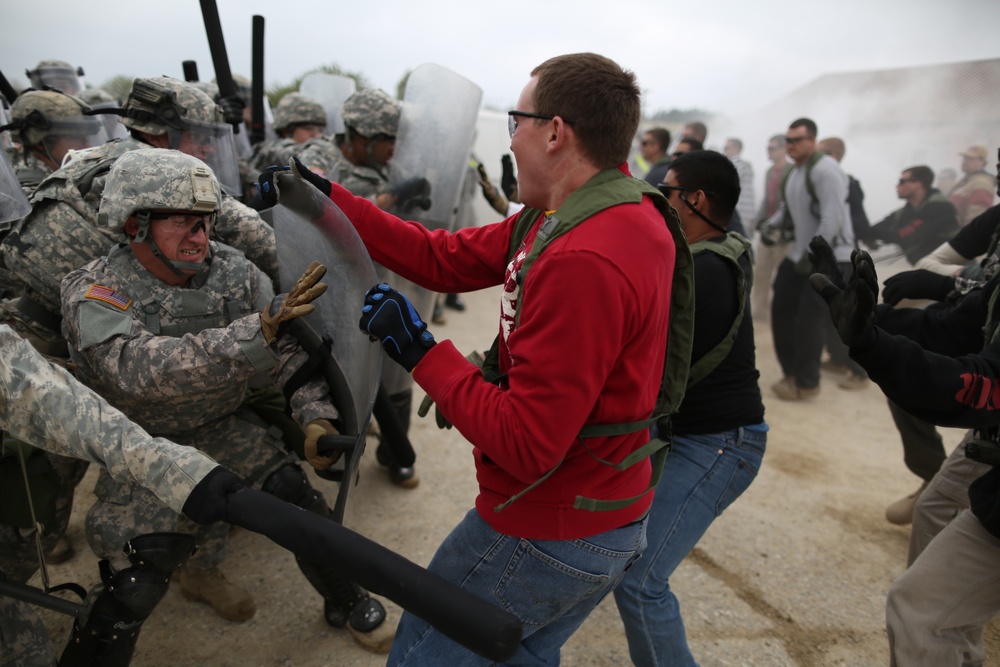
[581, 344]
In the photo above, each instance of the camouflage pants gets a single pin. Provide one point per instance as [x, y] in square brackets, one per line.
[24, 641]
[240, 441]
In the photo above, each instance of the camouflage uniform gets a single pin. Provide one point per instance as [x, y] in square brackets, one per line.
[30, 170]
[61, 233]
[317, 153]
[200, 379]
[42, 404]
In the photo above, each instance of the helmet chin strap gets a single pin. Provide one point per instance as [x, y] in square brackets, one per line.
[177, 267]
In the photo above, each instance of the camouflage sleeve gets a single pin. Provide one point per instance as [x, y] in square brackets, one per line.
[322, 157]
[312, 400]
[126, 355]
[241, 227]
[43, 405]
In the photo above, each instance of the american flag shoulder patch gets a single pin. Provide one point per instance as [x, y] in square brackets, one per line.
[107, 295]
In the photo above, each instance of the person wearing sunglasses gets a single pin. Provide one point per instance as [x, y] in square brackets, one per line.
[719, 432]
[814, 202]
[653, 148]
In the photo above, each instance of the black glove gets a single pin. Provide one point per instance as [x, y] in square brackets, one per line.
[412, 192]
[265, 185]
[918, 284]
[508, 181]
[232, 110]
[208, 502]
[390, 317]
[852, 308]
[824, 261]
[305, 173]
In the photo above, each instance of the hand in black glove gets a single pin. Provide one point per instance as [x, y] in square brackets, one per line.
[824, 261]
[208, 502]
[918, 284]
[305, 173]
[508, 181]
[265, 185]
[852, 308]
[412, 192]
[232, 110]
[390, 317]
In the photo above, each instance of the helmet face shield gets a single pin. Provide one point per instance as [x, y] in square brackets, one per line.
[113, 129]
[73, 133]
[213, 144]
[61, 78]
[13, 203]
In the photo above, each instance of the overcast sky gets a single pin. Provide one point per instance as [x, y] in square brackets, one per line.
[724, 56]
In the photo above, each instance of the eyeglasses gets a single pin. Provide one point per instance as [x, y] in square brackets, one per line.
[795, 140]
[903, 181]
[648, 142]
[513, 115]
[774, 148]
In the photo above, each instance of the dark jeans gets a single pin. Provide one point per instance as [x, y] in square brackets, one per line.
[923, 450]
[798, 324]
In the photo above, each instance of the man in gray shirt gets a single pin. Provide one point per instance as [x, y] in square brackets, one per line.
[814, 204]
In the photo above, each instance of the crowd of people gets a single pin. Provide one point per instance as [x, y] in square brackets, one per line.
[142, 283]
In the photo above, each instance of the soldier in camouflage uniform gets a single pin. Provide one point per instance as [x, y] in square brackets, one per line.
[61, 233]
[48, 124]
[300, 122]
[57, 74]
[42, 404]
[174, 329]
[371, 119]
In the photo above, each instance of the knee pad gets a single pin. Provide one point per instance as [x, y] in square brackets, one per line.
[118, 606]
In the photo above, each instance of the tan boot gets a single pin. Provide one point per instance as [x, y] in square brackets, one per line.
[60, 552]
[230, 601]
[901, 511]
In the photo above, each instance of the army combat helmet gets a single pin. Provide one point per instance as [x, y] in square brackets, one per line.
[54, 123]
[191, 120]
[372, 112]
[298, 109]
[57, 74]
[151, 184]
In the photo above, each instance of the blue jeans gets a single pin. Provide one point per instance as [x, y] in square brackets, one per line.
[703, 475]
[551, 585]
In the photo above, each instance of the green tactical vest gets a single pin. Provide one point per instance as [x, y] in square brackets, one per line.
[732, 248]
[607, 189]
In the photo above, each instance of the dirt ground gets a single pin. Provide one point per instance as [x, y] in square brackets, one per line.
[795, 573]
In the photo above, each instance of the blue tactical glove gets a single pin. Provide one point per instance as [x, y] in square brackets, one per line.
[390, 317]
[265, 185]
[852, 308]
[412, 192]
[917, 284]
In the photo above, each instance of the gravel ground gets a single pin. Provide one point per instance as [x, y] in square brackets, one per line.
[795, 573]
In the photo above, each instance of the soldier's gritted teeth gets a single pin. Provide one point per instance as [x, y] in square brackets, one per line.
[181, 237]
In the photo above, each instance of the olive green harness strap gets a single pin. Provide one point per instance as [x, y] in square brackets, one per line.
[607, 189]
[732, 248]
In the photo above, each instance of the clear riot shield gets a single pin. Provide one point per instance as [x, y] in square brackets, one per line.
[308, 226]
[13, 203]
[436, 130]
[330, 90]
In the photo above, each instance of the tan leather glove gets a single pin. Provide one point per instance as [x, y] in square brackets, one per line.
[295, 304]
[315, 430]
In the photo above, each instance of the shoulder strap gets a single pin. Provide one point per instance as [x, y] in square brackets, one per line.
[606, 189]
[732, 248]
